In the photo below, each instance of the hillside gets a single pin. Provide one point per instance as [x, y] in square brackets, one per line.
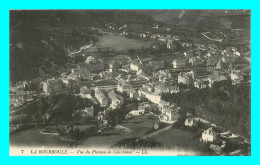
[216, 19]
[41, 39]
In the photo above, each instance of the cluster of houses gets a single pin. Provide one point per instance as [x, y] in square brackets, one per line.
[19, 95]
[82, 72]
[143, 79]
[201, 77]
[51, 85]
[132, 79]
[106, 97]
[200, 67]
[216, 59]
[216, 138]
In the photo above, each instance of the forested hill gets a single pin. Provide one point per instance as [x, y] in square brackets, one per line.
[40, 38]
[207, 19]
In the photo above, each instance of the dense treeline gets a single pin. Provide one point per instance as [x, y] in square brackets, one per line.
[224, 104]
[55, 108]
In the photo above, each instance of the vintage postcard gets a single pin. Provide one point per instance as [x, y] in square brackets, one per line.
[130, 82]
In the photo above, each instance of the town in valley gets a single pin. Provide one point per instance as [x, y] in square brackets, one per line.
[175, 80]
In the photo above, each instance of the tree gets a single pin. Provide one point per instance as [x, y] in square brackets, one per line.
[117, 119]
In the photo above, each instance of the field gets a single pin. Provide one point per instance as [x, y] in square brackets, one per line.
[133, 127]
[181, 140]
[117, 43]
[33, 137]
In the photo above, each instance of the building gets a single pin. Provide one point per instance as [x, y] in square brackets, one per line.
[158, 64]
[149, 87]
[143, 75]
[174, 89]
[188, 54]
[85, 92]
[190, 122]
[68, 83]
[151, 96]
[200, 47]
[200, 84]
[215, 78]
[186, 45]
[185, 78]
[133, 93]
[201, 78]
[79, 73]
[94, 65]
[123, 87]
[106, 85]
[172, 113]
[163, 38]
[143, 35]
[87, 112]
[222, 65]
[179, 63]
[116, 100]
[225, 134]
[209, 135]
[105, 74]
[18, 98]
[164, 75]
[101, 97]
[201, 74]
[74, 76]
[211, 62]
[161, 88]
[136, 65]
[51, 86]
[20, 86]
[236, 77]
[136, 112]
[170, 44]
[113, 65]
[195, 61]
[163, 106]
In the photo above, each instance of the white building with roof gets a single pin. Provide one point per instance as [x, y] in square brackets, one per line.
[87, 112]
[209, 135]
[123, 87]
[236, 76]
[85, 92]
[172, 113]
[185, 78]
[190, 122]
[161, 88]
[179, 63]
[116, 100]
[136, 65]
[151, 96]
[52, 85]
[133, 93]
[174, 89]
[101, 97]
[163, 106]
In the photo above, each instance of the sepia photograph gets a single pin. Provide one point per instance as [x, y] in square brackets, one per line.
[130, 82]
